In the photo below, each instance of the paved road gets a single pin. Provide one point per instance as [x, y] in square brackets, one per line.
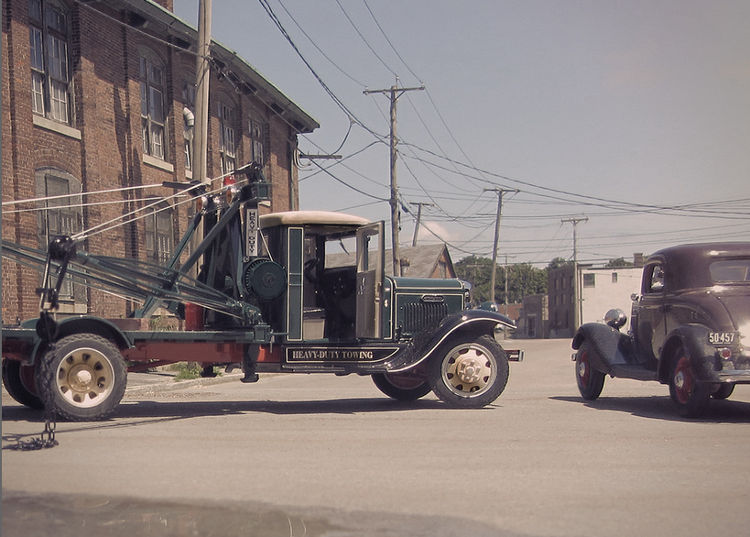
[304, 455]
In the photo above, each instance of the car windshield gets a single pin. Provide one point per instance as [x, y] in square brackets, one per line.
[730, 271]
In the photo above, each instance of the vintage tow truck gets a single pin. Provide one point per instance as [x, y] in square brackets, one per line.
[690, 328]
[266, 297]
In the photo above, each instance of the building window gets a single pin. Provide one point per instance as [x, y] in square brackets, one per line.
[159, 234]
[589, 280]
[50, 75]
[60, 215]
[152, 108]
[258, 135]
[227, 143]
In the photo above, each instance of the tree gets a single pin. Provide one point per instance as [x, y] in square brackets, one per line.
[618, 263]
[523, 279]
[558, 262]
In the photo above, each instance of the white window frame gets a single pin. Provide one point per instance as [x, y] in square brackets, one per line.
[152, 76]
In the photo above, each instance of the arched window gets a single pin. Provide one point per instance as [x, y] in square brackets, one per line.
[50, 66]
[60, 214]
[153, 114]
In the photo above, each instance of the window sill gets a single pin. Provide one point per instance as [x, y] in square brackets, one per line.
[65, 130]
[158, 163]
[188, 174]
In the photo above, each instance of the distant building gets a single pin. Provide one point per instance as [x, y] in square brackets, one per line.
[533, 321]
[100, 96]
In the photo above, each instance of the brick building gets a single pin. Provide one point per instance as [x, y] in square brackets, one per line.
[99, 96]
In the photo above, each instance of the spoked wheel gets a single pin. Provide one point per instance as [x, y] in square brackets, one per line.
[402, 386]
[82, 377]
[18, 379]
[590, 381]
[690, 396]
[723, 391]
[469, 372]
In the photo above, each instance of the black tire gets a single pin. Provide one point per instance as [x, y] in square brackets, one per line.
[690, 396]
[83, 377]
[590, 381]
[468, 372]
[18, 379]
[723, 391]
[401, 386]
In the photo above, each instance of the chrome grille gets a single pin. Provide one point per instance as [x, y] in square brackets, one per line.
[419, 315]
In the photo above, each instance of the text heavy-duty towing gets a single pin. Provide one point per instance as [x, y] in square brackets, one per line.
[273, 293]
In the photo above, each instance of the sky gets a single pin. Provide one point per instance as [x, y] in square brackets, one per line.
[627, 122]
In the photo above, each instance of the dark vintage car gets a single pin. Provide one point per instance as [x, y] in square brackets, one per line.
[690, 328]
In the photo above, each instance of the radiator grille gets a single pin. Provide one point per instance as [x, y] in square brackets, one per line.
[419, 315]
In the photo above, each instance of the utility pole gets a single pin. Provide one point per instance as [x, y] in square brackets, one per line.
[395, 92]
[203, 76]
[500, 193]
[577, 313]
[419, 205]
[505, 269]
[200, 133]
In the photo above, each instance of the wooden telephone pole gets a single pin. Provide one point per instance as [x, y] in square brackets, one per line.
[394, 92]
[577, 313]
[500, 193]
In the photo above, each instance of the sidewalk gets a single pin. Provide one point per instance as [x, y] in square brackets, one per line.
[163, 379]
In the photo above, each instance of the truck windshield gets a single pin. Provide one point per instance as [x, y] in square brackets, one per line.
[730, 271]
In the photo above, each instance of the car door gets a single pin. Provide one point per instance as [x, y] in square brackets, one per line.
[649, 321]
[370, 267]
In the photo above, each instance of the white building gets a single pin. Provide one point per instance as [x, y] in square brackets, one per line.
[605, 288]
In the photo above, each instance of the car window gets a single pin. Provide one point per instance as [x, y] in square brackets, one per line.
[730, 271]
[656, 283]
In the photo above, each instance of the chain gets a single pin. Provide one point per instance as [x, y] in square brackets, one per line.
[47, 437]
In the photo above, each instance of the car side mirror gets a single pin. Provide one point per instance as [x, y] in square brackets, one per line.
[634, 297]
[615, 318]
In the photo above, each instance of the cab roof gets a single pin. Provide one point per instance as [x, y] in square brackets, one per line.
[317, 218]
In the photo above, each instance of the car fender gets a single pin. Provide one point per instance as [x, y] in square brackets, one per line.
[609, 347]
[693, 338]
[477, 322]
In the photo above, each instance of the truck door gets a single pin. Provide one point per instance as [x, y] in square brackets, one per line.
[370, 266]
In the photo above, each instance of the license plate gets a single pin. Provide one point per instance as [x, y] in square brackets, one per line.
[721, 338]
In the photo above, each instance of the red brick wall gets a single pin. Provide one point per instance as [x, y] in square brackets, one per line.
[104, 61]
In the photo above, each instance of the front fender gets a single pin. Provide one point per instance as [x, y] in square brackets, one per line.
[478, 322]
[610, 346]
[694, 339]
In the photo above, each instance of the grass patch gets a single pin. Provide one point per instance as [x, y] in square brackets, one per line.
[190, 370]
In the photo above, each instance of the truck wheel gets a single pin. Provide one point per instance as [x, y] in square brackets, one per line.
[469, 372]
[690, 396]
[723, 391]
[18, 379]
[590, 381]
[401, 386]
[83, 377]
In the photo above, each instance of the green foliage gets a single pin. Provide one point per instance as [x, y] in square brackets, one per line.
[189, 370]
[523, 279]
[618, 263]
[558, 262]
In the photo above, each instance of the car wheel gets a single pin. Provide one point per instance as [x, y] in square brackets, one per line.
[723, 392]
[590, 381]
[82, 377]
[18, 379]
[469, 372]
[401, 386]
[690, 396]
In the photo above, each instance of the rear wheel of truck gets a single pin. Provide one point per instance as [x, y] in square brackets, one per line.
[469, 372]
[82, 377]
[401, 386]
[590, 381]
[18, 379]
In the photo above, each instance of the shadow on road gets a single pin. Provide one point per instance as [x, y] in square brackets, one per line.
[662, 408]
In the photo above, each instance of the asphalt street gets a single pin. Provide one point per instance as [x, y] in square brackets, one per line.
[320, 455]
